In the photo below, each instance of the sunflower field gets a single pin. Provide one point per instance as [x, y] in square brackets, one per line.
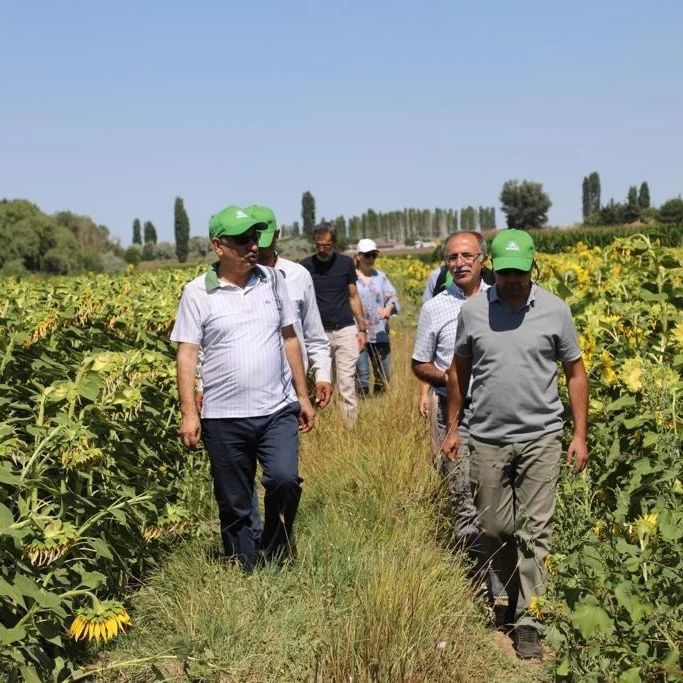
[94, 483]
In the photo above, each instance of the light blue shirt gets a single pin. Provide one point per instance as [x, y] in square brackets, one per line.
[376, 292]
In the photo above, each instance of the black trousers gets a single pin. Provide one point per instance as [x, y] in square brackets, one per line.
[235, 445]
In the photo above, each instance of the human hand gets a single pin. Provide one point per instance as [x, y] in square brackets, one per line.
[577, 453]
[323, 394]
[451, 444]
[423, 404]
[190, 430]
[362, 340]
[306, 415]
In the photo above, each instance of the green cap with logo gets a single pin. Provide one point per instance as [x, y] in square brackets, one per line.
[233, 220]
[264, 215]
[512, 249]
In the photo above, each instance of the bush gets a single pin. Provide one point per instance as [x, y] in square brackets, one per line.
[133, 254]
[672, 211]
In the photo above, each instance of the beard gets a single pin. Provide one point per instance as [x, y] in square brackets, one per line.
[325, 256]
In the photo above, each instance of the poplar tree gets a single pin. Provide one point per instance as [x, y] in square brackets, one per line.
[150, 233]
[308, 213]
[137, 232]
[182, 230]
[644, 196]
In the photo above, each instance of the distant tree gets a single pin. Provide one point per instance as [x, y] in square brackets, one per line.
[590, 195]
[524, 204]
[137, 232]
[585, 199]
[133, 254]
[340, 226]
[644, 196]
[672, 211]
[149, 251]
[182, 230]
[150, 233]
[631, 211]
[308, 213]
[594, 192]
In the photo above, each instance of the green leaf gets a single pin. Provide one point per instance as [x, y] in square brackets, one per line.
[11, 635]
[6, 519]
[50, 631]
[9, 590]
[591, 620]
[621, 403]
[29, 674]
[92, 579]
[630, 676]
[670, 525]
[634, 422]
[101, 548]
[649, 439]
[636, 608]
[562, 668]
[7, 476]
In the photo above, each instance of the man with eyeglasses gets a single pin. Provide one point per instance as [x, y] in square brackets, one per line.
[507, 346]
[464, 254]
[334, 279]
[255, 397]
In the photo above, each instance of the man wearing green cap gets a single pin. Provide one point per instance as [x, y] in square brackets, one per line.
[509, 342]
[255, 397]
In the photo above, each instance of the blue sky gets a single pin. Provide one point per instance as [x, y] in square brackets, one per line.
[112, 109]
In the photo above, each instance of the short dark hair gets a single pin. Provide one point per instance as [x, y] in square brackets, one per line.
[325, 228]
[483, 246]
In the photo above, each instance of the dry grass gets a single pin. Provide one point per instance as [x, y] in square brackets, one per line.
[372, 596]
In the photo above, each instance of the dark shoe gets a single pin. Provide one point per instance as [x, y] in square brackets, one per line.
[527, 644]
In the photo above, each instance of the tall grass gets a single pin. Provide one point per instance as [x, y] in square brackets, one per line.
[370, 596]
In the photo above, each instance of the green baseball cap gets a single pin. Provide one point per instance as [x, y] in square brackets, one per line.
[231, 221]
[512, 249]
[264, 215]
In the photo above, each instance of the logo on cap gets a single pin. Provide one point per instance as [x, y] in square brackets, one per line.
[512, 246]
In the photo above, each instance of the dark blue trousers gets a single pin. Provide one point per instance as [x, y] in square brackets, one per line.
[235, 445]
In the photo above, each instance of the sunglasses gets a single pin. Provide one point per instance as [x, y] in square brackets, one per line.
[245, 238]
[510, 272]
[370, 254]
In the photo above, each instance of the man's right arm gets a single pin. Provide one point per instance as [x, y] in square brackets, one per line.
[186, 363]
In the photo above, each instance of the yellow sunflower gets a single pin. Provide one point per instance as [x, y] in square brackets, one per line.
[102, 622]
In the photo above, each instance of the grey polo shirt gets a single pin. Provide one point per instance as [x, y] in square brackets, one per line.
[244, 369]
[514, 357]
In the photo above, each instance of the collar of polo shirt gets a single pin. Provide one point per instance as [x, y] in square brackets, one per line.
[211, 278]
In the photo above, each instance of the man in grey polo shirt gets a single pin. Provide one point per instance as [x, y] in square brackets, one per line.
[255, 397]
[508, 343]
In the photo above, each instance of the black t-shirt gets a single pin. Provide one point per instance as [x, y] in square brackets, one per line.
[331, 281]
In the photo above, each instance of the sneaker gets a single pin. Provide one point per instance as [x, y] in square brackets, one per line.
[527, 644]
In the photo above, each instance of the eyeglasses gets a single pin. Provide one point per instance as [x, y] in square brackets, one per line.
[325, 246]
[245, 238]
[370, 254]
[467, 257]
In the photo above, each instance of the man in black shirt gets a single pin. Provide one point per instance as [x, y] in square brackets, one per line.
[334, 280]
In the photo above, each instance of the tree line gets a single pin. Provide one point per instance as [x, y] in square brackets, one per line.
[407, 225]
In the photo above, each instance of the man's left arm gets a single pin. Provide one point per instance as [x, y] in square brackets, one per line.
[577, 385]
[296, 365]
[357, 310]
[317, 346]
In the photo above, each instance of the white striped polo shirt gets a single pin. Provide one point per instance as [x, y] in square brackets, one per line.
[244, 369]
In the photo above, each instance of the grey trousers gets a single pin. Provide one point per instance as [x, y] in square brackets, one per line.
[514, 493]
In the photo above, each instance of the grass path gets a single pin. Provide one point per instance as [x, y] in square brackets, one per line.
[372, 596]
